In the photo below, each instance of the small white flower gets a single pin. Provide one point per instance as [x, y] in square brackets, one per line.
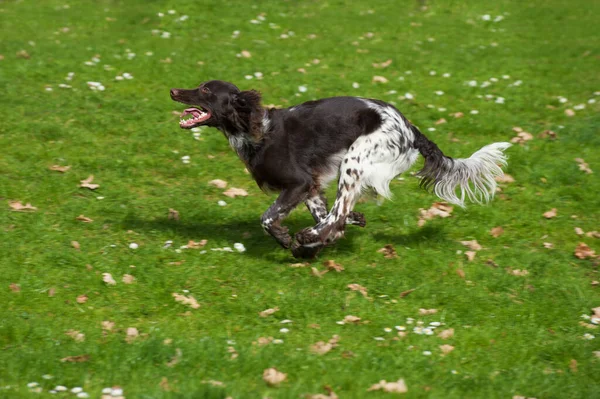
[60, 388]
[76, 389]
[400, 328]
[435, 324]
[239, 247]
[517, 83]
[418, 330]
[284, 330]
[409, 96]
[442, 109]
[355, 85]
[302, 89]
[579, 107]
[562, 100]
[439, 93]
[474, 112]
[595, 320]
[83, 395]
[379, 338]
[341, 322]
[432, 73]
[119, 77]
[277, 341]
[431, 129]
[32, 385]
[230, 342]
[185, 159]
[258, 75]
[409, 320]
[171, 12]
[472, 83]
[183, 18]
[160, 14]
[486, 17]
[498, 18]
[427, 331]
[485, 84]
[47, 377]
[588, 336]
[116, 392]
[149, 53]
[107, 391]
[446, 75]
[499, 100]
[133, 245]
[387, 329]
[48, 88]
[592, 101]
[454, 371]
[286, 321]
[165, 35]
[427, 353]
[52, 391]
[222, 203]
[254, 21]
[505, 76]
[493, 80]
[127, 76]
[408, 72]
[248, 77]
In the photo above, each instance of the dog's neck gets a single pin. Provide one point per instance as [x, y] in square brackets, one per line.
[247, 136]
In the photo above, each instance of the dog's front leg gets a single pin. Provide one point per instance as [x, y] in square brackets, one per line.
[271, 220]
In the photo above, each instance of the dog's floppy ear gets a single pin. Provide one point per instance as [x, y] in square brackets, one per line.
[247, 99]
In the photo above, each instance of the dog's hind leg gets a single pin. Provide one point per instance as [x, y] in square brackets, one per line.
[317, 205]
[271, 220]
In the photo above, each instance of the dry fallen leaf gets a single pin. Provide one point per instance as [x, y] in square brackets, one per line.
[273, 377]
[75, 245]
[505, 178]
[446, 349]
[550, 214]
[107, 325]
[579, 231]
[548, 245]
[473, 245]
[388, 252]
[321, 347]
[262, 341]
[58, 168]
[233, 352]
[108, 279]
[445, 334]
[497, 231]
[351, 319]
[268, 312]
[304, 264]
[384, 64]
[460, 273]
[218, 183]
[569, 112]
[87, 183]
[84, 219]
[518, 272]
[18, 207]
[163, 384]
[195, 245]
[186, 300]
[246, 54]
[583, 166]
[573, 365]
[458, 114]
[132, 334]
[379, 79]
[593, 234]
[424, 312]
[315, 272]
[329, 395]
[76, 335]
[236, 192]
[438, 209]
[390, 387]
[128, 279]
[214, 383]
[175, 359]
[52, 292]
[440, 121]
[76, 359]
[82, 298]
[331, 265]
[360, 288]
[583, 251]
[548, 134]
[14, 287]
[406, 293]
[470, 255]
[173, 214]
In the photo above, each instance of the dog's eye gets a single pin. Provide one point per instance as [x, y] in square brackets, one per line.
[205, 90]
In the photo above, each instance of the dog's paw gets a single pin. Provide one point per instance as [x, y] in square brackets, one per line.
[300, 251]
[285, 240]
[307, 236]
[356, 218]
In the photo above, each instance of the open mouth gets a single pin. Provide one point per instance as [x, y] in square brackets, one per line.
[198, 115]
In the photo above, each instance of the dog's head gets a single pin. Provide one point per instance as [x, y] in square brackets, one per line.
[218, 104]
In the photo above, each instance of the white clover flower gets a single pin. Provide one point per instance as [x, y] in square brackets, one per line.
[499, 100]
[284, 330]
[400, 328]
[474, 112]
[222, 203]
[83, 395]
[277, 341]
[32, 385]
[588, 336]
[379, 338]
[472, 83]
[76, 389]
[133, 245]
[486, 17]
[446, 75]
[302, 89]
[409, 96]
[427, 353]
[239, 247]
[387, 329]
[355, 85]
[60, 388]
[439, 93]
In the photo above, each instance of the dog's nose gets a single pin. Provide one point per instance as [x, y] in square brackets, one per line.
[174, 92]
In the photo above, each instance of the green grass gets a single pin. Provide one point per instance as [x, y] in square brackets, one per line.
[513, 335]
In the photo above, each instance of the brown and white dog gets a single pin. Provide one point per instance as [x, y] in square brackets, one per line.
[297, 151]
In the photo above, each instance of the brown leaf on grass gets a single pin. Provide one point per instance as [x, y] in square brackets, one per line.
[595, 283]
[236, 192]
[593, 234]
[76, 359]
[321, 347]
[470, 255]
[262, 341]
[52, 292]
[107, 325]
[132, 334]
[58, 168]
[583, 166]
[438, 209]
[595, 318]
[388, 252]
[14, 287]
[329, 395]
[517, 272]
[351, 319]
[164, 384]
[548, 134]
[379, 79]
[587, 325]
[550, 214]
[273, 377]
[16, 206]
[573, 365]
[359, 288]
[446, 349]
[173, 214]
[406, 293]
[23, 54]
[440, 121]
[304, 264]
[460, 273]
[579, 231]
[268, 312]
[390, 387]
[233, 352]
[218, 183]
[75, 245]
[214, 383]
[384, 64]
[76, 335]
[331, 265]
[458, 114]
[548, 245]
[87, 183]
[82, 298]
[108, 279]
[583, 251]
[505, 178]
[128, 279]
[424, 312]
[186, 300]
[446, 334]
[496, 232]
[175, 359]
[196, 245]
[569, 112]
[246, 54]
[473, 245]
[315, 272]
[84, 219]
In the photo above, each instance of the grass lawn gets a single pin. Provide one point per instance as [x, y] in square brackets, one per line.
[515, 309]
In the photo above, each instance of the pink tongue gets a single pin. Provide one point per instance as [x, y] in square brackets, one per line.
[190, 111]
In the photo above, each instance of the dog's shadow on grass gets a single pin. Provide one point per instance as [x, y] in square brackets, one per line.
[260, 245]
